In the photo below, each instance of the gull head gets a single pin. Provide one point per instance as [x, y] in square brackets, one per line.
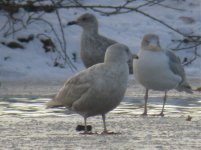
[118, 53]
[151, 42]
[86, 21]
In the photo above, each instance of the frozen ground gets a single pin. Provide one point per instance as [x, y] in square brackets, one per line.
[58, 133]
[28, 79]
[26, 124]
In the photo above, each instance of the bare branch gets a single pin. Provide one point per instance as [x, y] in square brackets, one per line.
[64, 48]
[10, 25]
[183, 48]
[193, 58]
[127, 9]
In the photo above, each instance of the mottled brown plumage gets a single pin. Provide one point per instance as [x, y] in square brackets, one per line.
[93, 44]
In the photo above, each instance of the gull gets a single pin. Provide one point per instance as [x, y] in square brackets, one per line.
[93, 45]
[98, 89]
[158, 69]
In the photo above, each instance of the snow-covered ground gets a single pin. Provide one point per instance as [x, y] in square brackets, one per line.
[33, 64]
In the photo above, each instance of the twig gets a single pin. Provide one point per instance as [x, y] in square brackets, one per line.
[178, 49]
[128, 8]
[103, 9]
[64, 41]
[166, 6]
[154, 2]
[192, 59]
[117, 9]
[171, 7]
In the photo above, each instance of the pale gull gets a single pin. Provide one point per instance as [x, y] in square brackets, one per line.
[93, 45]
[158, 69]
[98, 89]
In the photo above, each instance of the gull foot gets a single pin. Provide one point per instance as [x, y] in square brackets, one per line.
[109, 133]
[144, 114]
[88, 133]
[161, 114]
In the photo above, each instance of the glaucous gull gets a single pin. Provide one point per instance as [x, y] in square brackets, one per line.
[98, 89]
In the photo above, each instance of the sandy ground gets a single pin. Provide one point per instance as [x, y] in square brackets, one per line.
[58, 132]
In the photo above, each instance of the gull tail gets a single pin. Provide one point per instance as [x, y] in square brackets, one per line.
[184, 86]
[53, 103]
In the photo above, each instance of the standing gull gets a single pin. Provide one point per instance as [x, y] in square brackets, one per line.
[158, 69]
[98, 89]
[93, 45]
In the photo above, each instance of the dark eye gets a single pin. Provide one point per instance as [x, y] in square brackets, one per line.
[147, 42]
[127, 50]
[84, 19]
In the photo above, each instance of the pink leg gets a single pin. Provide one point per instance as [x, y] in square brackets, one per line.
[164, 101]
[105, 132]
[85, 127]
[145, 102]
[104, 124]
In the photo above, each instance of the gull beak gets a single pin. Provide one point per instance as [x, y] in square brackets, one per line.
[71, 23]
[134, 56]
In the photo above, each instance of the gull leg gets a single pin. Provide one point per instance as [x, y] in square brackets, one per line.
[104, 126]
[164, 101]
[145, 102]
[85, 127]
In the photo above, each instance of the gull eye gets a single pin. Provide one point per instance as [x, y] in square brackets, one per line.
[147, 42]
[84, 19]
[127, 50]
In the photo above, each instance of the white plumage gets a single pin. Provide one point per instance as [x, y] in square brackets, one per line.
[98, 89]
[158, 69]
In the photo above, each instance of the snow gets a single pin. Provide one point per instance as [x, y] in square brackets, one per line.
[32, 63]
